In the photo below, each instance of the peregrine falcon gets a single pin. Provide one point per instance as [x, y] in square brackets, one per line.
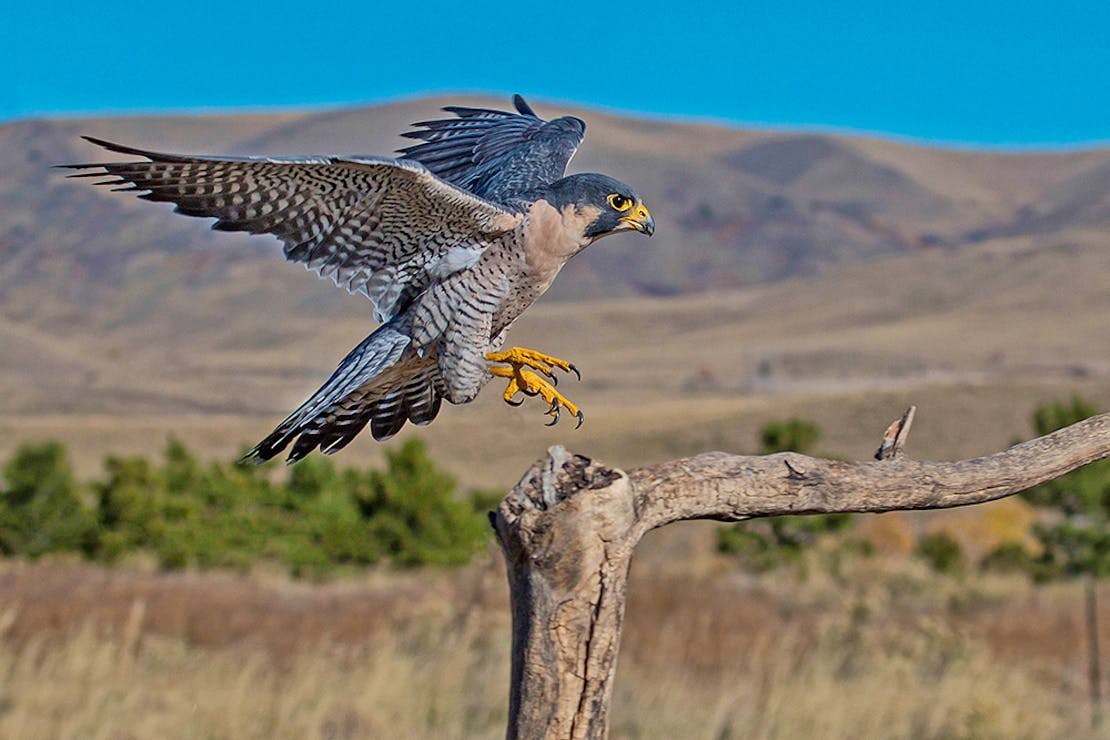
[451, 242]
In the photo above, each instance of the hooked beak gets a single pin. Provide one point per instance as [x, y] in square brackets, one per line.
[641, 220]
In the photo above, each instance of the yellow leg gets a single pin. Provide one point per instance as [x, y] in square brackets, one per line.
[522, 380]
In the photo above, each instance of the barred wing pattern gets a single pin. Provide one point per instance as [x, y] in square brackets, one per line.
[495, 154]
[428, 239]
[386, 228]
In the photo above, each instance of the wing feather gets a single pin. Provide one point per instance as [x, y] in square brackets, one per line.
[346, 218]
[496, 154]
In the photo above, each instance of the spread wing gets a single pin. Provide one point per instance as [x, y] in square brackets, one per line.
[383, 227]
[495, 154]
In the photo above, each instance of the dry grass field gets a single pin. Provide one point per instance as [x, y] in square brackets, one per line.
[877, 648]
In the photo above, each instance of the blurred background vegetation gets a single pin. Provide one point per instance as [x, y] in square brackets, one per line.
[319, 518]
[315, 520]
[1071, 534]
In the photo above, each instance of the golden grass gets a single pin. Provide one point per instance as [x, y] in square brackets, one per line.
[849, 682]
[87, 686]
[876, 648]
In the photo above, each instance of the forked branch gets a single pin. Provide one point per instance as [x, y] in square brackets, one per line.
[570, 526]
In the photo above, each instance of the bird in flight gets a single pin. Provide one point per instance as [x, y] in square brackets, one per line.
[451, 242]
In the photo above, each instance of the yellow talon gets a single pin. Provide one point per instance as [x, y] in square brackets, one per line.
[514, 384]
[525, 381]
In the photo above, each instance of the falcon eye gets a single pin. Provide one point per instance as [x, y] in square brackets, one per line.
[619, 202]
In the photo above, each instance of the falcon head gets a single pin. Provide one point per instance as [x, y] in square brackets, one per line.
[609, 204]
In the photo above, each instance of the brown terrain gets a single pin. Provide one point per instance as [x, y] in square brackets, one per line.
[835, 278]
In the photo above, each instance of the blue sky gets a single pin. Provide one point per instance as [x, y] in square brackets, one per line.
[981, 73]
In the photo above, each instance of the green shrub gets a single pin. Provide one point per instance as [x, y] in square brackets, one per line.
[412, 510]
[942, 552]
[790, 435]
[128, 504]
[41, 509]
[181, 473]
[755, 550]
[764, 544]
[1076, 538]
[312, 477]
[229, 516]
[1009, 557]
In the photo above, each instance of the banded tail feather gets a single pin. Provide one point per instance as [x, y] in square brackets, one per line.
[378, 383]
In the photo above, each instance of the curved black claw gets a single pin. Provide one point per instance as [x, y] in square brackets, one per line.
[574, 370]
[530, 394]
[554, 380]
[511, 402]
[579, 419]
[555, 411]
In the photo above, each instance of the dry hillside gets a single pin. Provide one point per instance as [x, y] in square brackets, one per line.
[835, 277]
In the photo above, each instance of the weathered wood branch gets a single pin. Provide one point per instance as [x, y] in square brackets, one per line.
[570, 526]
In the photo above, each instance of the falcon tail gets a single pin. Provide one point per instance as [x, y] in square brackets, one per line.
[378, 383]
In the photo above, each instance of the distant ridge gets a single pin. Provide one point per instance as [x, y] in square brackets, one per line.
[735, 207]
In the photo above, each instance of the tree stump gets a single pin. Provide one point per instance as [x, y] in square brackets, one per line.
[569, 528]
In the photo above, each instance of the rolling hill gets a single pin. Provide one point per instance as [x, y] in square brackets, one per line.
[838, 277]
[736, 207]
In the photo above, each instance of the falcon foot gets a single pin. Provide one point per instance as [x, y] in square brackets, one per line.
[523, 380]
[519, 357]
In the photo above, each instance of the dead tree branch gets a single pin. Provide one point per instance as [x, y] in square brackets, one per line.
[570, 526]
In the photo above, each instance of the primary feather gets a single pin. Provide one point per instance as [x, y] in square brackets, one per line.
[495, 154]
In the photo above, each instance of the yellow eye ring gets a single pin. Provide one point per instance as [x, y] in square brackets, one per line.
[619, 202]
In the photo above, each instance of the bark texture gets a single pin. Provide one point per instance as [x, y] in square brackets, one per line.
[569, 528]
